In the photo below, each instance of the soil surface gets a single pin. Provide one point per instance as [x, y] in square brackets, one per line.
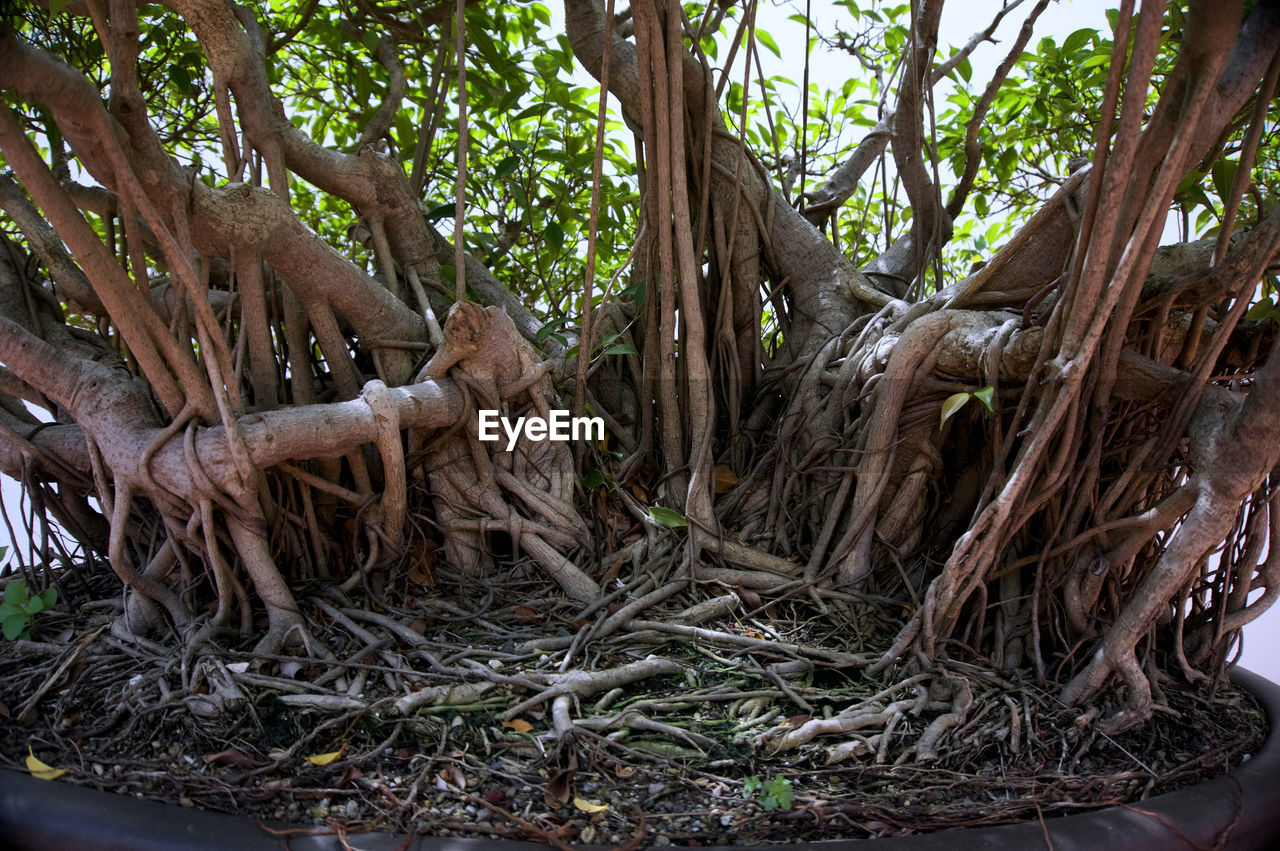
[515, 720]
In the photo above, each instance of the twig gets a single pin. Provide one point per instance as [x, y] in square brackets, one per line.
[27, 714]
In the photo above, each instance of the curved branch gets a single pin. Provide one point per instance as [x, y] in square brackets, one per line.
[373, 183]
[927, 225]
[146, 337]
[843, 182]
[235, 215]
[381, 121]
[46, 243]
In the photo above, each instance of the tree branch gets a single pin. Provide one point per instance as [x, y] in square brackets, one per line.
[373, 183]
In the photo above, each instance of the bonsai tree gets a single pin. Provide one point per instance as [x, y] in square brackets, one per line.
[915, 364]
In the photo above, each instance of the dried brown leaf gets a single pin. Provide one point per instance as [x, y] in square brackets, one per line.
[557, 791]
[726, 479]
[233, 757]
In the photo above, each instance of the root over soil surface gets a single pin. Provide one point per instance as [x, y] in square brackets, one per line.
[507, 719]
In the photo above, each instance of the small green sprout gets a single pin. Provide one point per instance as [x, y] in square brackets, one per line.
[19, 607]
[775, 794]
[956, 401]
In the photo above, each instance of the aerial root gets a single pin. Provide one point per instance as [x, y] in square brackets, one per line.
[395, 488]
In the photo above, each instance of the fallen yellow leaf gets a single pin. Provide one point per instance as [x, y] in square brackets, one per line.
[39, 770]
[325, 758]
[519, 725]
[587, 806]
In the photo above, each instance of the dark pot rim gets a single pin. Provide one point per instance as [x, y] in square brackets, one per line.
[1239, 810]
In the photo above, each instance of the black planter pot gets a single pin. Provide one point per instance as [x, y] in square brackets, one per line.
[1240, 810]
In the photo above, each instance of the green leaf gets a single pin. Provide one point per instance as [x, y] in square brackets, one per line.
[56, 6]
[637, 292]
[1260, 310]
[986, 396]
[1192, 178]
[767, 40]
[440, 211]
[536, 109]
[506, 167]
[954, 403]
[16, 593]
[1224, 172]
[668, 517]
[1077, 40]
[775, 794]
[1005, 165]
[180, 78]
[518, 195]
[14, 625]
[779, 793]
[546, 65]
[547, 330]
[621, 349]
[555, 235]
[593, 478]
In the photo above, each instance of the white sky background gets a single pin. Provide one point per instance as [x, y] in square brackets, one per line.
[828, 69]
